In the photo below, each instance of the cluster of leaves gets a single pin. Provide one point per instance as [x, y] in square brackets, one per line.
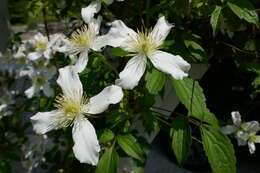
[202, 28]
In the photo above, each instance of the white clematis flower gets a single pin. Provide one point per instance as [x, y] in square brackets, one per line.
[44, 47]
[244, 132]
[93, 8]
[40, 81]
[144, 45]
[73, 108]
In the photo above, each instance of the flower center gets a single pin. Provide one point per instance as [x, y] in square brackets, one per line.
[70, 107]
[41, 45]
[82, 39]
[144, 43]
[39, 80]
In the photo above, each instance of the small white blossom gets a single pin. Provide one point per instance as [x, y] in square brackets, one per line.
[40, 77]
[144, 45]
[44, 47]
[245, 132]
[33, 151]
[73, 108]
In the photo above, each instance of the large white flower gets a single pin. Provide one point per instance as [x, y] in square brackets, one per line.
[144, 45]
[93, 8]
[44, 47]
[73, 108]
[40, 77]
[245, 133]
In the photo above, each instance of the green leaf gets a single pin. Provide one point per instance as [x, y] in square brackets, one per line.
[215, 18]
[187, 90]
[250, 45]
[196, 50]
[219, 150]
[181, 138]
[117, 52]
[244, 10]
[129, 144]
[139, 170]
[108, 161]
[43, 103]
[154, 81]
[106, 136]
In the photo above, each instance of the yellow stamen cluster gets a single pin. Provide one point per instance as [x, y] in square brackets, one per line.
[143, 43]
[82, 39]
[70, 107]
[41, 45]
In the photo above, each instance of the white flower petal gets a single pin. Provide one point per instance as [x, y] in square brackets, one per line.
[228, 129]
[117, 35]
[47, 90]
[48, 54]
[2, 107]
[109, 95]
[48, 72]
[174, 65]
[40, 38]
[34, 56]
[81, 62]
[20, 52]
[86, 147]
[69, 81]
[31, 91]
[252, 127]
[62, 45]
[132, 72]
[242, 135]
[236, 118]
[95, 24]
[241, 142]
[161, 30]
[88, 12]
[251, 146]
[44, 122]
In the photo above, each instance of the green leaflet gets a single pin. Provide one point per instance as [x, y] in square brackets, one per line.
[129, 144]
[154, 81]
[219, 150]
[244, 10]
[181, 138]
[196, 50]
[115, 51]
[106, 136]
[108, 161]
[187, 90]
[215, 19]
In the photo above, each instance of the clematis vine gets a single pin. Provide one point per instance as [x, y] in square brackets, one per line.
[144, 45]
[245, 132]
[73, 108]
